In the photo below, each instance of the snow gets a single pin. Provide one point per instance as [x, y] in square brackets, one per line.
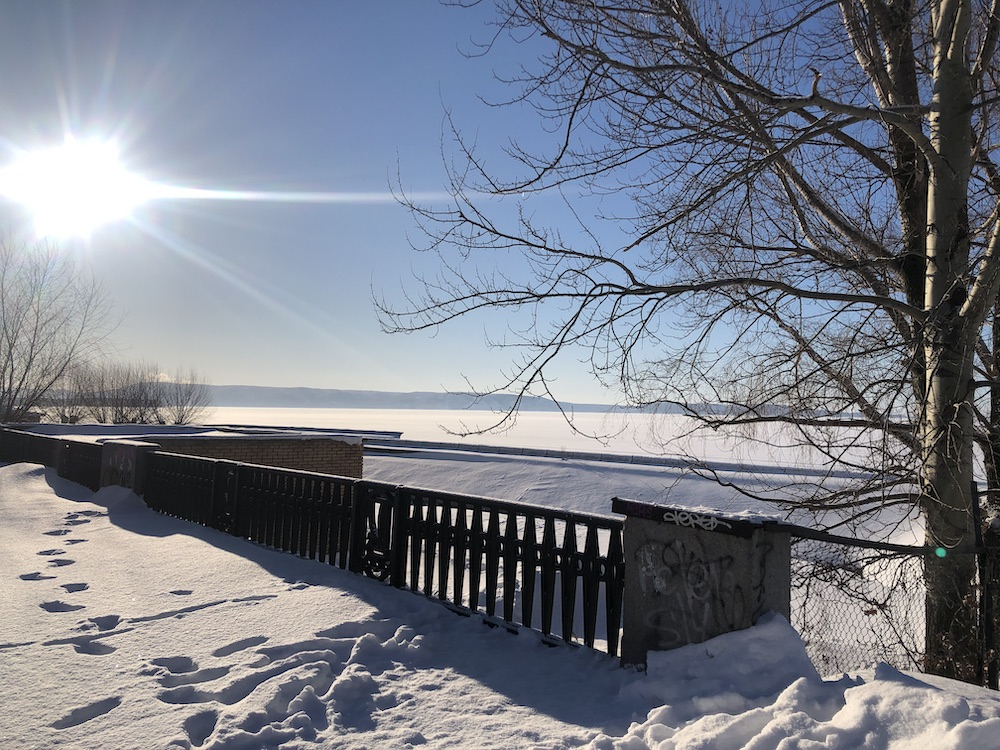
[613, 432]
[125, 629]
[100, 433]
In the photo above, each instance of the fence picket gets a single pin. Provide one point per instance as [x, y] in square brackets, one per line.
[614, 586]
[416, 543]
[529, 565]
[591, 568]
[296, 509]
[548, 567]
[510, 553]
[493, 544]
[445, 540]
[476, 549]
[430, 546]
[461, 546]
[401, 503]
[568, 569]
[319, 528]
[343, 514]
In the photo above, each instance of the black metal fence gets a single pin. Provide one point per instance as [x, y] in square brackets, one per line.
[517, 565]
[74, 460]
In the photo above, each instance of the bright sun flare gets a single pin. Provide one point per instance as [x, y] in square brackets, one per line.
[74, 188]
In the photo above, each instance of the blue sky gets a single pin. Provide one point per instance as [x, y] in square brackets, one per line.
[296, 96]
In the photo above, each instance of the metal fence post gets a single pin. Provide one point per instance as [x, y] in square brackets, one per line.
[360, 502]
[223, 516]
[400, 530]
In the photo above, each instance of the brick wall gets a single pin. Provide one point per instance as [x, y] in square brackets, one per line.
[324, 455]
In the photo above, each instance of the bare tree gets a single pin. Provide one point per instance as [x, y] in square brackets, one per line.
[69, 400]
[115, 391]
[86, 385]
[813, 238]
[52, 317]
[123, 392]
[186, 398]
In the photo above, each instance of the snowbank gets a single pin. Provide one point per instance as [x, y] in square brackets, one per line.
[124, 629]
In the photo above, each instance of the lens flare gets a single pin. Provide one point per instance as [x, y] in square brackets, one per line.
[74, 188]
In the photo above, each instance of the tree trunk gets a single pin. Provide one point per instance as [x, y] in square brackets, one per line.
[951, 600]
[947, 420]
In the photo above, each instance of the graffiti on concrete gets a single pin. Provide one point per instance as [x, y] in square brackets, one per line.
[691, 593]
[119, 464]
[694, 520]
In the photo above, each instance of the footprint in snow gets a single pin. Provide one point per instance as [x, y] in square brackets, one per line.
[85, 713]
[72, 588]
[176, 664]
[193, 678]
[91, 645]
[36, 576]
[93, 648]
[182, 670]
[5, 646]
[57, 532]
[75, 541]
[200, 726]
[240, 645]
[52, 552]
[60, 562]
[58, 606]
[106, 622]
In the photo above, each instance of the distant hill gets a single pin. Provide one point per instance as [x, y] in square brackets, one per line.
[329, 398]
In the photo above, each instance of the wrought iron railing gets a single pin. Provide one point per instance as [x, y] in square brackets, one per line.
[18, 446]
[74, 460]
[81, 463]
[516, 565]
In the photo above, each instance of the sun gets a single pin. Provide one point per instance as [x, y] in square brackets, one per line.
[73, 189]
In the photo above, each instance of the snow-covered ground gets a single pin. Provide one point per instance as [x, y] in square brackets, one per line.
[612, 432]
[124, 629]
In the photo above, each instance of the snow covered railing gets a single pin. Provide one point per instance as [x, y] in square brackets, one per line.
[523, 566]
[517, 565]
[73, 460]
[560, 572]
[513, 564]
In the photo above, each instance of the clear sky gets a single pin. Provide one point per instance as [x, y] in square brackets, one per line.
[263, 95]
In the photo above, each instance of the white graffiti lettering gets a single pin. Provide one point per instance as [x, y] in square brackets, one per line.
[694, 520]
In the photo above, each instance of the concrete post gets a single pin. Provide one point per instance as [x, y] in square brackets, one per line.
[123, 463]
[690, 576]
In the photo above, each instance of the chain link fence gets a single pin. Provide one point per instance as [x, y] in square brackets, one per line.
[855, 607]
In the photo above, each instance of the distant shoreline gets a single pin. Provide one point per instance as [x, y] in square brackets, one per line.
[250, 396]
